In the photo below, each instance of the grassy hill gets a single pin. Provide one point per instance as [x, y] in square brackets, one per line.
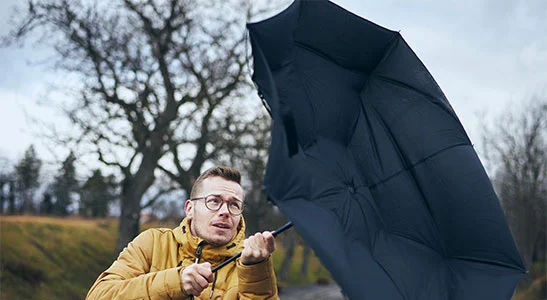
[46, 258]
[52, 258]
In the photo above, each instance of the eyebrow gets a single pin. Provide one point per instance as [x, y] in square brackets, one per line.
[231, 198]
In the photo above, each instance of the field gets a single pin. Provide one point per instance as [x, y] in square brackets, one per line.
[51, 258]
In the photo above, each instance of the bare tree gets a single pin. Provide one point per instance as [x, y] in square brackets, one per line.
[249, 153]
[516, 146]
[156, 79]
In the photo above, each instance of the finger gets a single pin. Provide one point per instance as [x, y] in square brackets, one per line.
[201, 282]
[257, 241]
[205, 271]
[250, 252]
[193, 281]
[259, 250]
[267, 234]
[191, 286]
[270, 241]
[259, 236]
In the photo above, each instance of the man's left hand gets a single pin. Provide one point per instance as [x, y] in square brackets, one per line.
[257, 248]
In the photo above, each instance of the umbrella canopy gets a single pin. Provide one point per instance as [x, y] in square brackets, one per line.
[371, 163]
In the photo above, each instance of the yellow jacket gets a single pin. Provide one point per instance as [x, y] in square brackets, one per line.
[150, 267]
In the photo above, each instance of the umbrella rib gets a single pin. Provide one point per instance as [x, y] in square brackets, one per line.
[373, 185]
[324, 56]
[410, 167]
[437, 102]
[489, 262]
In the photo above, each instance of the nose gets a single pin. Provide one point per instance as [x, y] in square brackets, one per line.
[223, 210]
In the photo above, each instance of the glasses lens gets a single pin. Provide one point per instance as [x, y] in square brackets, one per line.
[235, 207]
[214, 202]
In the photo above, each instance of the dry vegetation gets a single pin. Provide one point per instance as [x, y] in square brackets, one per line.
[47, 258]
[54, 258]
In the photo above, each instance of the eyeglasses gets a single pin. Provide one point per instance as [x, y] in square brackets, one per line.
[214, 202]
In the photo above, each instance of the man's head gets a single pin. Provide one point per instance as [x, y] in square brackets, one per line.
[218, 185]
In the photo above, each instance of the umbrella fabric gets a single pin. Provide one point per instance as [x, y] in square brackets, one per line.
[371, 163]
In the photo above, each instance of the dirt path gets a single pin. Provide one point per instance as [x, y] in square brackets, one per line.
[311, 292]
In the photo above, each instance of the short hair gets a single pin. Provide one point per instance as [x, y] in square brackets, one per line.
[228, 173]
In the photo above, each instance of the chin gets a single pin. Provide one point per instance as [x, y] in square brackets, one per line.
[219, 240]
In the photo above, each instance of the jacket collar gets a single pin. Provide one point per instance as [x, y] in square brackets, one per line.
[214, 255]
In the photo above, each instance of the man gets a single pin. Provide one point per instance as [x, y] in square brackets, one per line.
[177, 263]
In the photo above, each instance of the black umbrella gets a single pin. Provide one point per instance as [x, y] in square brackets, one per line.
[370, 162]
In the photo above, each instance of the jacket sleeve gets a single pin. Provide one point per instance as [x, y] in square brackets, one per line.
[257, 281]
[129, 277]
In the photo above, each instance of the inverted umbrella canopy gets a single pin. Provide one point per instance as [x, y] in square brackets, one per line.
[370, 162]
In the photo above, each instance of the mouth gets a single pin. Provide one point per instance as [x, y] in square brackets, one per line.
[221, 225]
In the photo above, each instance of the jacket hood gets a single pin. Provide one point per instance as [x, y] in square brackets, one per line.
[215, 255]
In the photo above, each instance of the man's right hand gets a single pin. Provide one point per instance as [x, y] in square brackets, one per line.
[196, 277]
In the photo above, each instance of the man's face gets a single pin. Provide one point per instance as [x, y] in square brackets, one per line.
[214, 227]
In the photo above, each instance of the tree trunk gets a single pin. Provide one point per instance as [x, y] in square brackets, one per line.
[11, 198]
[26, 208]
[305, 261]
[133, 188]
[525, 227]
[2, 199]
[129, 220]
[540, 251]
[287, 260]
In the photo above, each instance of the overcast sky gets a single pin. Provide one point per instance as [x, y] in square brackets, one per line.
[484, 54]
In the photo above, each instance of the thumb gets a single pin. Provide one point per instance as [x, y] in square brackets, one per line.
[206, 265]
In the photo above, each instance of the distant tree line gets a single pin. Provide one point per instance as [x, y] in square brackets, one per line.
[515, 148]
[23, 191]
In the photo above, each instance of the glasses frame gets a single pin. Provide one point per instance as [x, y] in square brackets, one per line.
[243, 205]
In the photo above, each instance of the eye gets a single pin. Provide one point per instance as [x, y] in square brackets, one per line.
[235, 205]
[214, 200]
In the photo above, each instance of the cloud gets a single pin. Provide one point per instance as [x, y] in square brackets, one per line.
[485, 54]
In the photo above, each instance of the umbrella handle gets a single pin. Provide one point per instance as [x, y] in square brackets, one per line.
[231, 259]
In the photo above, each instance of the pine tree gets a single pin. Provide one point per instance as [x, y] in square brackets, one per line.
[46, 206]
[28, 173]
[96, 194]
[64, 186]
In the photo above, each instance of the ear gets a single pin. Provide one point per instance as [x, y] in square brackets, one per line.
[188, 209]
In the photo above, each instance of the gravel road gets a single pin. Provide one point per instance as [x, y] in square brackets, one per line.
[311, 292]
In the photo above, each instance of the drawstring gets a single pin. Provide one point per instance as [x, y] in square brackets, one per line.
[213, 287]
[215, 273]
[198, 257]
